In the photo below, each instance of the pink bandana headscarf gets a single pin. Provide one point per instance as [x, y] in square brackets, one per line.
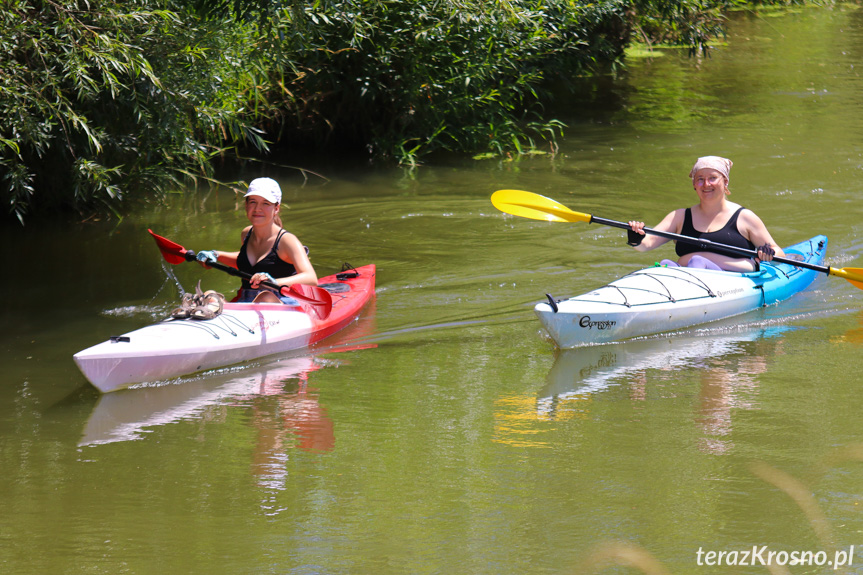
[721, 165]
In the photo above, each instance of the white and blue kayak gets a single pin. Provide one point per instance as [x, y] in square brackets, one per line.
[661, 299]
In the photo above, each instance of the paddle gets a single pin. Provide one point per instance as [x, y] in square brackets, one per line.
[536, 207]
[319, 298]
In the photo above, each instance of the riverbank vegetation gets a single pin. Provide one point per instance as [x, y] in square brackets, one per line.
[109, 101]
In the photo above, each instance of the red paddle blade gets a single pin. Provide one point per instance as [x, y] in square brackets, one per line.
[173, 252]
[319, 301]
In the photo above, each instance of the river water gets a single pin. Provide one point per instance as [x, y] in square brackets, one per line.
[442, 432]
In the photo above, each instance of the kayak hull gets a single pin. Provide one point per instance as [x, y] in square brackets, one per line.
[660, 299]
[242, 332]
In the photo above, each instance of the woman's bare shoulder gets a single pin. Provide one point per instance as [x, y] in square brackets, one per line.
[677, 216]
[750, 217]
[289, 241]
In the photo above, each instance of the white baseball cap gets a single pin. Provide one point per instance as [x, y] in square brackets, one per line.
[266, 188]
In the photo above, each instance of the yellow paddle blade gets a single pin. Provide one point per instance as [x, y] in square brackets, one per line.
[853, 275]
[535, 207]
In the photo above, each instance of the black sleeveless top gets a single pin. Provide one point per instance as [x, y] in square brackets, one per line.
[270, 263]
[728, 235]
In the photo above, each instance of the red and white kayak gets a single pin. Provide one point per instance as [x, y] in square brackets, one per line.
[242, 332]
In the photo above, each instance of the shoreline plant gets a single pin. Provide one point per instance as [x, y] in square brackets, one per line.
[113, 102]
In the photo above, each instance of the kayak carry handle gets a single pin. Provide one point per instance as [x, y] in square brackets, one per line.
[551, 302]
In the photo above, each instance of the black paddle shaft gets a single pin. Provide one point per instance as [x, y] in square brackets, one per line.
[707, 245]
[191, 256]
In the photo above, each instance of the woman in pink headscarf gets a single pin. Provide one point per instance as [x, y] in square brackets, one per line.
[713, 218]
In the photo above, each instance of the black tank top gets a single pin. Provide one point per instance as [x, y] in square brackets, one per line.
[728, 235]
[270, 263]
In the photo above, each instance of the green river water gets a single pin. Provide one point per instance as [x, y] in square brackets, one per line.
[442, 432]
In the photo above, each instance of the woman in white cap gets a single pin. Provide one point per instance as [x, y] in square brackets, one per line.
[268, 252]
[713, 218]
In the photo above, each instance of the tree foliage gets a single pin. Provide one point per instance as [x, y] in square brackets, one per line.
[104, 101]
[96, 101]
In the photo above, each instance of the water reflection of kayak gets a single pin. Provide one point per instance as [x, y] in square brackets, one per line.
[579, 373]
[242, 332]
[127, 414]
[854, 336]
[661, 299]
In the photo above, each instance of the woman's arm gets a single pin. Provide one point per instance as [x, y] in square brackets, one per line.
[673, 222]
[756, 232]
[227, 258]
[292, 251]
